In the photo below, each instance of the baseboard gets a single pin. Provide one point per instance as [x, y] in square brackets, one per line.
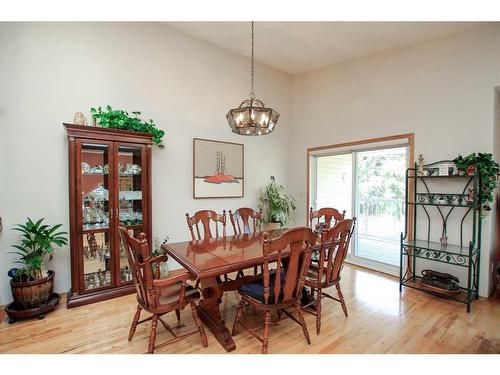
[375, 266]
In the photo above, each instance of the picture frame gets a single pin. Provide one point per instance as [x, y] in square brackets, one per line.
[218, 169]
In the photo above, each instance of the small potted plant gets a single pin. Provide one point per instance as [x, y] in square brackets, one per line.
[486, 168]
[278, 207]
[32, 285]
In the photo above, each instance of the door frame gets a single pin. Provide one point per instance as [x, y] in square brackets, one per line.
[410, 138]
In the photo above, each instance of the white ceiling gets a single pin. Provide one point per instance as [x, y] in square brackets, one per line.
[297, 47]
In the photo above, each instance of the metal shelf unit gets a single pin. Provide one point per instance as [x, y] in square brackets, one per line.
[464, 203]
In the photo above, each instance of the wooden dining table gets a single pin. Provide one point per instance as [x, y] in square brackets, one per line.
[207, 260]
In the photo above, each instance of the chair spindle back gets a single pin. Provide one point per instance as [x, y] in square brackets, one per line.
[205, 217]
[246, 215]
[334, 247]
[138, 254]
[299, 241]
[328, 213]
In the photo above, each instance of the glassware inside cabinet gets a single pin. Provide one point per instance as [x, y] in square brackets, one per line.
[130, 207]
[95, 215]
[95, 186]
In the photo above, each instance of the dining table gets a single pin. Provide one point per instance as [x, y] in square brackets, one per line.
[209, 260]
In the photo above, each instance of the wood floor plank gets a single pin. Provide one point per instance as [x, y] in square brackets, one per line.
[381, 320]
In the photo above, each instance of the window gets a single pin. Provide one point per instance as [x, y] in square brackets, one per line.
[368, 182]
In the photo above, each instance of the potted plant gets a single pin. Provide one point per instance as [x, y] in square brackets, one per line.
[120, 119]
[32, 285]
[487, 170]
[278, 207]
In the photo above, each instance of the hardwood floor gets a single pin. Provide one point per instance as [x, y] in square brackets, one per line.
[380, 321]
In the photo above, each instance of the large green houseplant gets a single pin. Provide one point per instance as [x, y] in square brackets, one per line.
[277, 206]
[31, 285]
[486, 168]
[120, 119]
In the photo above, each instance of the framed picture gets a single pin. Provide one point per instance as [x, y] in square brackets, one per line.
[218, 169]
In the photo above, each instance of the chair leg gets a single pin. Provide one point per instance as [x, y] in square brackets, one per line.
[255, 271]
[238, 316]
[267, 322]
[341, 298]
[178, 314]
[152, 335]
[279, 313]
[134, 322]
[197, 321]
[319, 296]
[298, 309]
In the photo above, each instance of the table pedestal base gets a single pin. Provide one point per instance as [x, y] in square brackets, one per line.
[210, 313]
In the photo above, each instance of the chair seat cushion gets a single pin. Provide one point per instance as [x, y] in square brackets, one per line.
[171, 294]
[255, 290]
[312, 276]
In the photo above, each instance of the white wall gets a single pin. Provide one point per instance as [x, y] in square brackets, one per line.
[49, 71]
[442, 90]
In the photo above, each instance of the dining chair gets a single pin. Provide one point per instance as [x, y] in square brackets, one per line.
[156, 295]
[206, 217]
[326, 214]
[280, 288]
[251, 222]
[326, 218]
[249, 219]
[326, 273]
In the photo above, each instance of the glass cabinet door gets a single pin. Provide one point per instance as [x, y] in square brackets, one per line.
[95, 185]
[130, 205]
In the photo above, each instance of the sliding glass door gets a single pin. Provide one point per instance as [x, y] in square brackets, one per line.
[380, 194]
[368, 184]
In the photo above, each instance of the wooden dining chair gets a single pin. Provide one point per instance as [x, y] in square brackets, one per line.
[326, 218]
[326, 215]
[251, 220]
[281, 288]
[333, 250]
[206, 217]
[246, 221]
[158, 296]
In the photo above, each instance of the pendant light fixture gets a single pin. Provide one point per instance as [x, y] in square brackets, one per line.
[252, 117]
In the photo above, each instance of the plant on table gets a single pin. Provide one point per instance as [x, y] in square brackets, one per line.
[278, 207]
[37, 241]
[120, 119]
[487, 169]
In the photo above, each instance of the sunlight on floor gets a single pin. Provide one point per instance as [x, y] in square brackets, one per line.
[378, 292]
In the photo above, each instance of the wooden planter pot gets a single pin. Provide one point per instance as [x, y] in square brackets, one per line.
[31, 294]
[272, 226]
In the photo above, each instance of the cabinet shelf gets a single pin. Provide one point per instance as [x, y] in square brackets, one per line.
[419, 285]
[441, 204]
[95, 230]
[432, 250]
[437, 176]
[107, 174]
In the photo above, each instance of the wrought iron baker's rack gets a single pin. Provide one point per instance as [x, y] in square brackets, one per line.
[463, 255]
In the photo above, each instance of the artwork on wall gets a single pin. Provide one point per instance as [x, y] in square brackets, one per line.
[217, 169]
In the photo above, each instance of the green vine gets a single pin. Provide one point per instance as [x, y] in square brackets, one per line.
[277, 206]
[487, 170]
[120, 119]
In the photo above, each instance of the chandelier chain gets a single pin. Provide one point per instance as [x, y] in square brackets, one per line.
[252, 94]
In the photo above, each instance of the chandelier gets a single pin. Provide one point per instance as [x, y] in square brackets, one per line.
[252, 117]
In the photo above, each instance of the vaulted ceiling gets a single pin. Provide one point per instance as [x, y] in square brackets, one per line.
[297, 47]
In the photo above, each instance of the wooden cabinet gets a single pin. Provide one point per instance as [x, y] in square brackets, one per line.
[109, 186]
